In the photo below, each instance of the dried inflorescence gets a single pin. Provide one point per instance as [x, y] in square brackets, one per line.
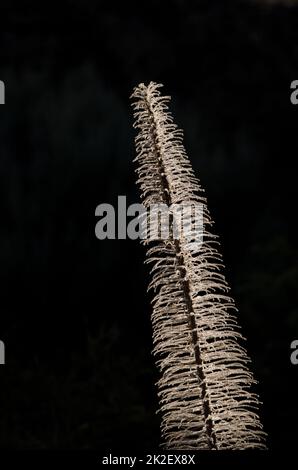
[205, 386]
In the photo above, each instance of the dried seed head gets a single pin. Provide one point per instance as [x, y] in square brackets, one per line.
[205, 393]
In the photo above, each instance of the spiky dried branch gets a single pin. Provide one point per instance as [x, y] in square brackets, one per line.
[205, 393]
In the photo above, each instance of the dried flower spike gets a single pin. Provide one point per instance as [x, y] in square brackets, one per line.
[205, 393]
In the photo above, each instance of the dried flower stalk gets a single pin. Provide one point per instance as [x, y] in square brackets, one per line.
[205, 393]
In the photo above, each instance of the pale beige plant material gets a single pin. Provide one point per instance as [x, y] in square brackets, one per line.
[205, 393]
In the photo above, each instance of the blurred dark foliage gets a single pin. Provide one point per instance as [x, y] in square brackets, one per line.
[75, 316]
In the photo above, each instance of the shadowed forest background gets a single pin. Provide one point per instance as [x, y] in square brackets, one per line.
[75, 316]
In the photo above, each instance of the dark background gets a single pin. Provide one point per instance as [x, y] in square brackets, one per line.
[75, 316]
